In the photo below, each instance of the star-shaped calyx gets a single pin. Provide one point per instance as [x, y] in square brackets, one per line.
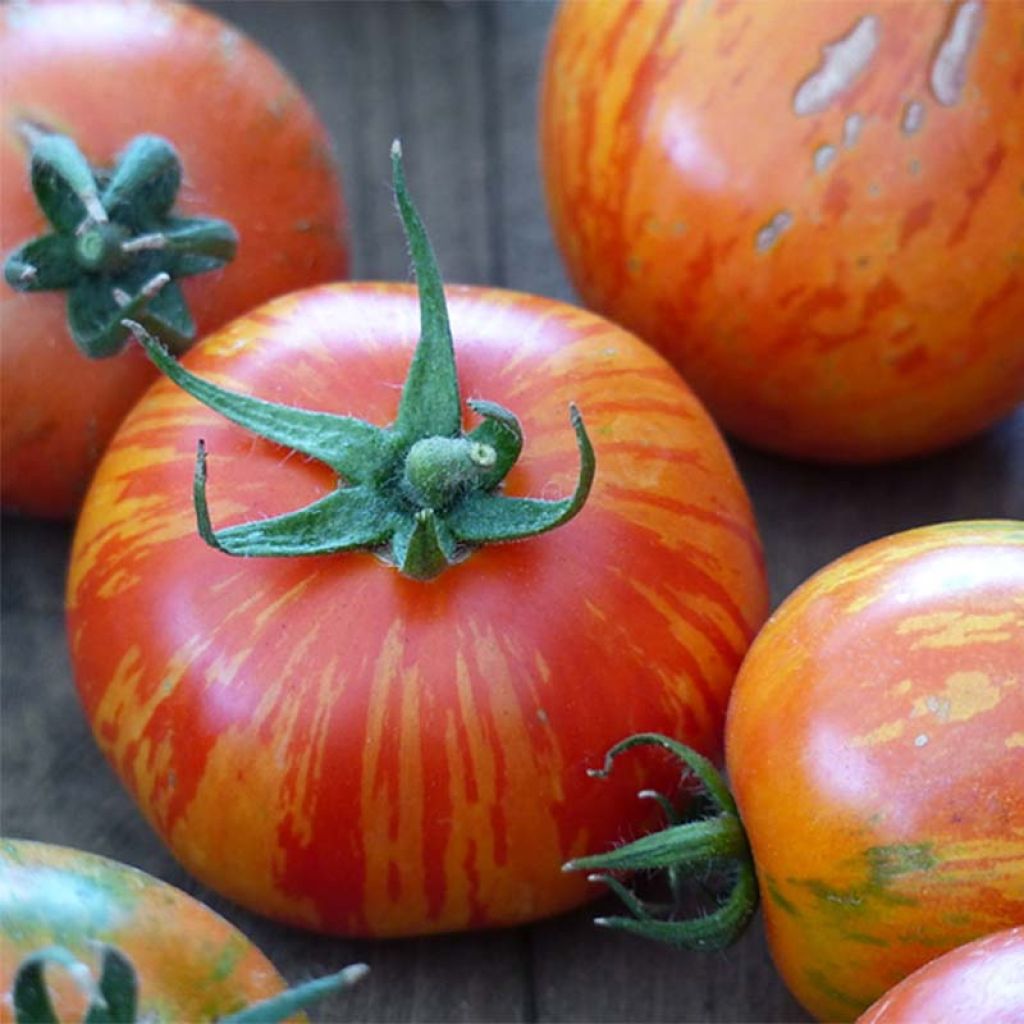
[421, 493]
[115, 247]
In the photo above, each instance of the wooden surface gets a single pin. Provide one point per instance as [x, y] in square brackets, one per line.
[457, 82]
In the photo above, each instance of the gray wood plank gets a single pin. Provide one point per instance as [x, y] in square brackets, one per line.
[516, 37]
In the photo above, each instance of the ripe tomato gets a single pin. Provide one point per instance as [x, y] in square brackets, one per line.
[253, 154]
[341, 747]
[875, 745]
[190, 964]
[982, 982]
[814, 210]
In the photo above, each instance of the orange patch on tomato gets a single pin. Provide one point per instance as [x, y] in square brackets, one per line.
[965, 695]
[959, 629]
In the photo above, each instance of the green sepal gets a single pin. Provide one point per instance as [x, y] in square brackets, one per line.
[430, 404]
[196, 245]
[420, 494]
[119, 991]
[709, 932]
[489, 518]
[347, 518]
[44, 264]
[502, 432]
[144, 184]
[287, 1004]
[354, 449]
[30, 994]
[693, 846]
[424, 547]
[63, 183]
[115, 999]
[96, 312]
[113, 236]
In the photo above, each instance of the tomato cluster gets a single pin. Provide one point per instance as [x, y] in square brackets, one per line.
[299, 628]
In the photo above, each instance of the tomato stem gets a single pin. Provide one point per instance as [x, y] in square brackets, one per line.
[687, 848]
[113, 233]
[422, 493]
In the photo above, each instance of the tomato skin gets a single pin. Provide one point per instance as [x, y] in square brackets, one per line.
[875, 745]
[342, 748]
[253, 152]
[982, 982]
[191, 963]
[884, 318]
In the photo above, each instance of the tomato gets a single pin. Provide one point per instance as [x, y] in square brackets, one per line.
[253, 154]
[344, 747]
[875, 746]
[982, 982]
[813, 210]
[190, 963]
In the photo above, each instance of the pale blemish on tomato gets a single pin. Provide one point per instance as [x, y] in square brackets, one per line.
[769, 234]
[913, 117]
[1014, 740]
[949, 69]
[843, 62]
[852, 128]
[824, 157]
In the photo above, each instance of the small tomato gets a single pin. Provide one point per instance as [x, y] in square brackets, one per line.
[125, 129]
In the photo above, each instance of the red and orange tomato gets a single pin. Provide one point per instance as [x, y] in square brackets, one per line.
[191, 964]
[253, 152]
[343, 748]
[981, 982]
[814, 210]
[875, 746]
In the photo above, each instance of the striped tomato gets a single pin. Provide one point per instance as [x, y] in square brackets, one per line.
[356, 750]
[62, 910]
[875, 748]
[814, 210]
[982, 982]
[138, 140]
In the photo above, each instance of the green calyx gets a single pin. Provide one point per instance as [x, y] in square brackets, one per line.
[421, 493]
[115, 247]
[113, 997]
[707, 841]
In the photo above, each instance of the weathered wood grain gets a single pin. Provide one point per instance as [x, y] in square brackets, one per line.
[458, 84]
